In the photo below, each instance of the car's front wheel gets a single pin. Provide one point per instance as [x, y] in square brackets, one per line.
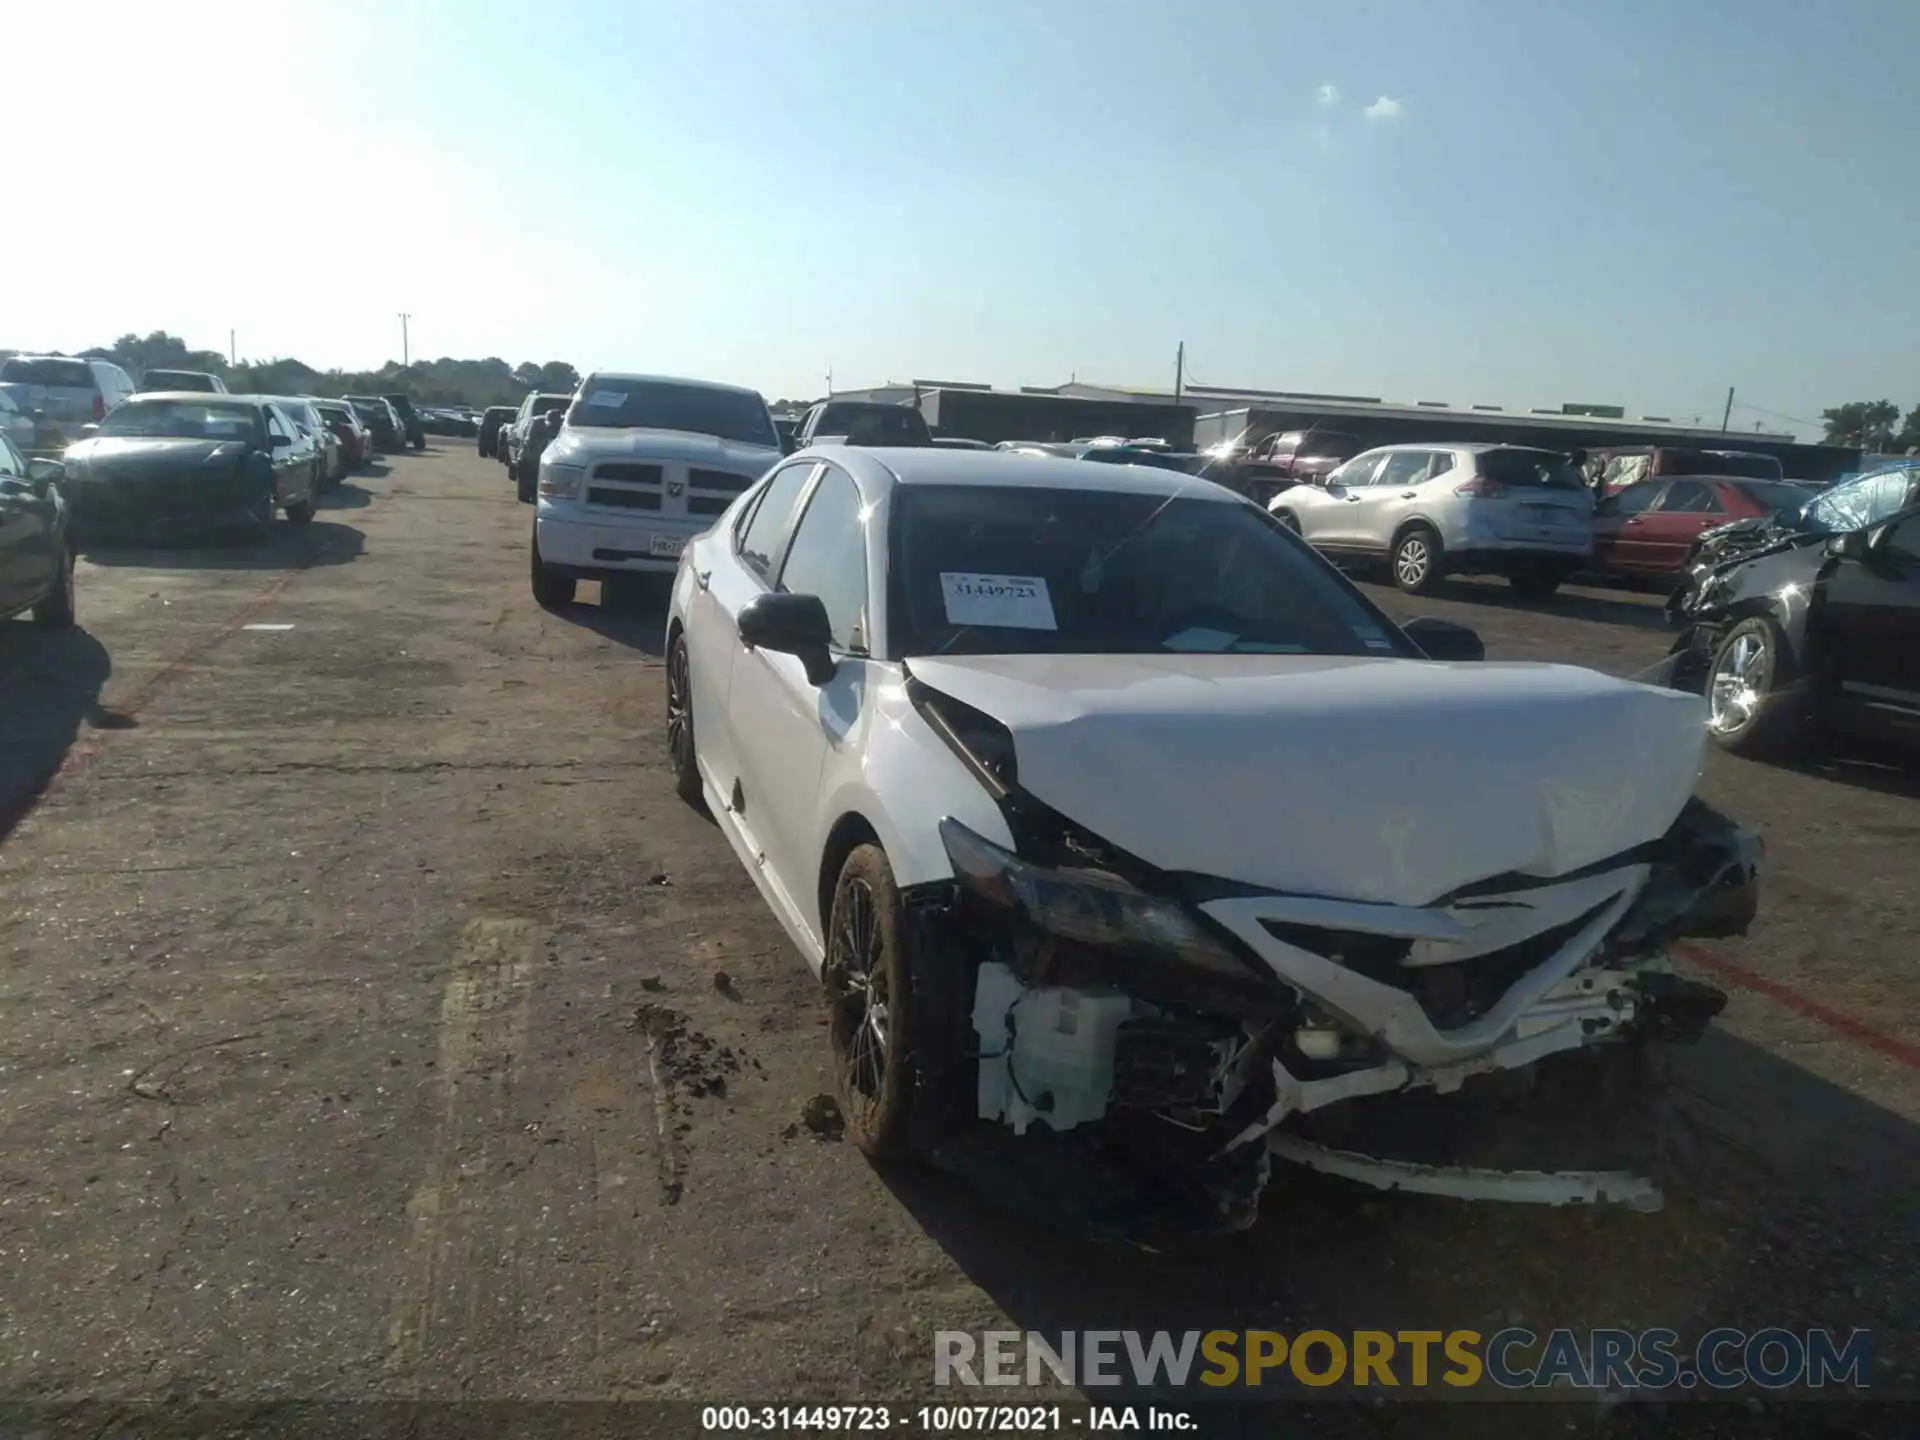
[1288, 519]
[55, 610]
[1751, 707]
[891, 1014]
[301, 511]
[550, 591]
[1416, 561]
[686, 766]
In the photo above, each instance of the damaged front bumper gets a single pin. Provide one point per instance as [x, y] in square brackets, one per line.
[1102, 1008]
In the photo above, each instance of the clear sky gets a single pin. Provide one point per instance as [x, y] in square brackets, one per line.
[1504, 201]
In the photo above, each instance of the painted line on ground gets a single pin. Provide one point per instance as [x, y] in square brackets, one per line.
[1856, 1030]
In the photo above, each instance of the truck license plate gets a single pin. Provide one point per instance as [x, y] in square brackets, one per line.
[666, 545]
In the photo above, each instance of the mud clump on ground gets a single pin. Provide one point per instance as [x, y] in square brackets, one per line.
[693, 1062]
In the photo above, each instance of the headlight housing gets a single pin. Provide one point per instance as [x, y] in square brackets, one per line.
[561, 482]
[1091, 906]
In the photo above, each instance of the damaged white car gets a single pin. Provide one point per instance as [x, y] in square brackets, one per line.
[1126, 834]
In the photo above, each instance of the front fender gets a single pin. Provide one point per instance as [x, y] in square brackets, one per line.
[903, 782]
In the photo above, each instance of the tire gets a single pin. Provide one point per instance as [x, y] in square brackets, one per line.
[1417, 561]
[680, 741]
[869, 978]
[301, 511]
[1753, 706]
[1536, 584]
[55, 609]
[550, 591]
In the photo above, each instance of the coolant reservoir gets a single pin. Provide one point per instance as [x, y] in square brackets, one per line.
[1044, 1053]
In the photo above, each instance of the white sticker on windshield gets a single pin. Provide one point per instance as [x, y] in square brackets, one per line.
[1012, 602]
[611, 399]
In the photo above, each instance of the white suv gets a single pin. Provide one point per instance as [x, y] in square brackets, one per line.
[1431, 510]
[642, 464]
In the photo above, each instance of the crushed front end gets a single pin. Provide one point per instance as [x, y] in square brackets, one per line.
[1143, 1044]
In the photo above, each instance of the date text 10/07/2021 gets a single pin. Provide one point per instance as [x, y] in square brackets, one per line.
[943, 1419]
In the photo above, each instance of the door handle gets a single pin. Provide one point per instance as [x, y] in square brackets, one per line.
[1351, 499]
[1634, 521]
[702, 577]
[1409, 494]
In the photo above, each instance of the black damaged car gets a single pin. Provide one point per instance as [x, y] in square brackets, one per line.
[174, 466]
[1806, 625]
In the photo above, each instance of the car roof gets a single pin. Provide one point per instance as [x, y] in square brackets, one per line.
[1471, 447]
[199, 397]
[640, 379]
[881, 466]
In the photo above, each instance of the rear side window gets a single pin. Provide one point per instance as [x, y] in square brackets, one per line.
[59, 374]
[766, 528]
[1442, 463]
[1535, 469]
[828, 558]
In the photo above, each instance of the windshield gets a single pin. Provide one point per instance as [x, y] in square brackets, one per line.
[1858, 504]
[181, 420]
[696, 409]
[1537, 468]
[57, 374]
[999, 569]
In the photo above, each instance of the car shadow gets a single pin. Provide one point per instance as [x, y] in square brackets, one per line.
[632, 612]
[1884, 771]
[1572, 604]
[1785, 1195]
[345, 496]
[287, 547]
[50, 684]
[370, 470]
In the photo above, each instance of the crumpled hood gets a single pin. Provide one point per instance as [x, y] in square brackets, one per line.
[584, 446]
[1386, 780]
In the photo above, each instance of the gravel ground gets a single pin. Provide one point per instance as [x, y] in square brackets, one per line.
[363, 1038]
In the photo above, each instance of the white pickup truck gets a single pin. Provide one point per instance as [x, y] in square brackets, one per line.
[642, 464]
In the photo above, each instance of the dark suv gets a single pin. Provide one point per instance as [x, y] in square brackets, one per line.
[409, 419]
[862, 422]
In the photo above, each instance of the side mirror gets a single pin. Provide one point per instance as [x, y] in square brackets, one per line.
[793, 625]
[1444, 640]
[1851, 546]
[279, 442]
[89, 430]
[42, 474]
[788, 444]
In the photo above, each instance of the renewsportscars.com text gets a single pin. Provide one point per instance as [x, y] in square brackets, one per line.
[1510, 1359]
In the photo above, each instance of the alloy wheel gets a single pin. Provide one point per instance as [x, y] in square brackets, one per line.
[679, 706]
[860, 1018]
[1411, 561]
[1732, 697]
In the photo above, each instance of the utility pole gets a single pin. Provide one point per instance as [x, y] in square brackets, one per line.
[1179, 370]
[406, 356]
[1726, 417]
[233, 356]
[829, 382]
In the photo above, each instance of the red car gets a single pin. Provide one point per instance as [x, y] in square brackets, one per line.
[356, 442]
[1649, 527]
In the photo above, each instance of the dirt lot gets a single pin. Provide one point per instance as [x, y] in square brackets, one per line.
[323, 947]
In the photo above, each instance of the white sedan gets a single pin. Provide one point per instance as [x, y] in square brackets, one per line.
[1105, 808]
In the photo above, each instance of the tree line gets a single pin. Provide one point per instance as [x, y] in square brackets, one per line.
[445, 381]
[1869, 425]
